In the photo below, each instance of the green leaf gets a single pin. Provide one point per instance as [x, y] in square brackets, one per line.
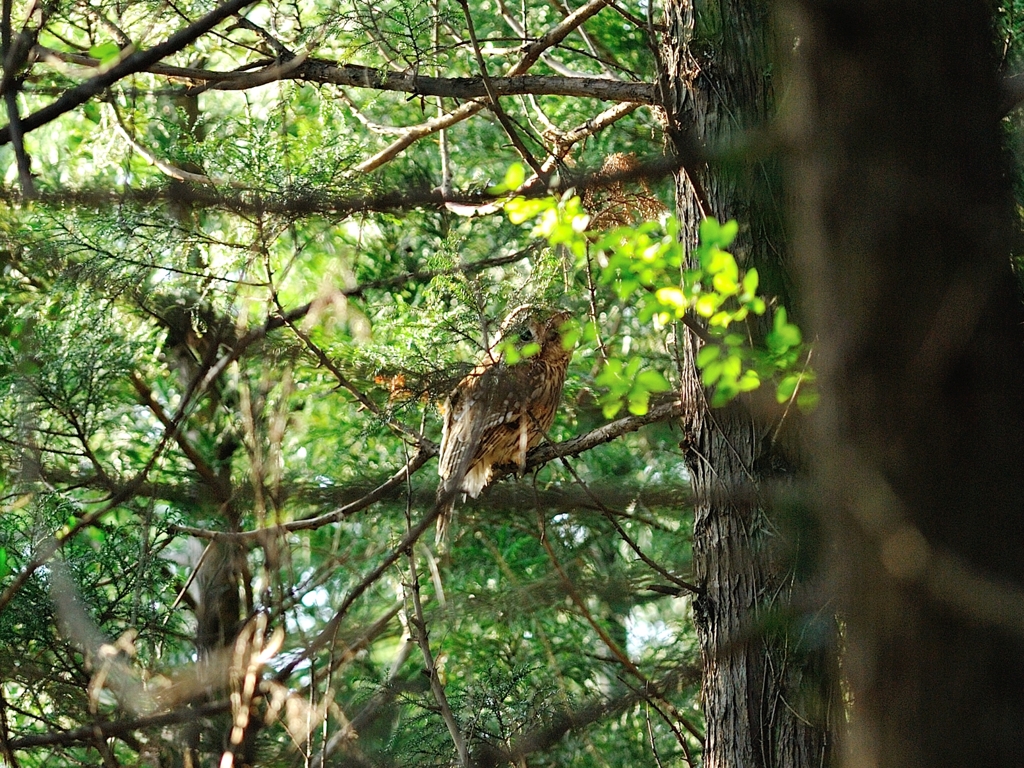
[4, 567]
[709, 231]
[748, 381]
[732, 366]
[529, 350]
[610, 406]
[571, 335]
[711, 373]
[750, 281]
[520, 210]
[653, 381]
[671, 297]
[514, 176]
[639, 403]
[784, 335]
[632, 368]
[707, 354]
[105, 52]
[509, 353]
[721, 319]
[807, 399]
[728, 232]
[734, 339]
[725, 283]
[706, 304]
[719, 235]
[787, 387]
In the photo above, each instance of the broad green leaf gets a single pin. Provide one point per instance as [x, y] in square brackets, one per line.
[711, 373]
[728, 232]
[706, 304]
[784, 335]
[787, 387]
[707, 354]
[672, 297]
[807, 399]
[721, 319]
[105, 52]
[748, 381]
[709, 231]
[734, 339]
[639, 403]
[514, 176]
[571, 335]
[732, 365]
[725, 283]
[520, 210]
[529, 350]
[653, 381]
[750, 281]
[632, 368]
[610, 406]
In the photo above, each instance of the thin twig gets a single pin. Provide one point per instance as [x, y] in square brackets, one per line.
[492, 95]
[326, 636]
[10, 64]
[554, 36]
[161, 165]
[619, 654]
[430, 668]
[610, 515]
[135, 62]
[112, 728]
[51, 545]
[418, 459]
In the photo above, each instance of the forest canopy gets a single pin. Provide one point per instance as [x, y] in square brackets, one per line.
[246, 253]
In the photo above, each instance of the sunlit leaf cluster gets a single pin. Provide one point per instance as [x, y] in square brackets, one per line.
[646, 265]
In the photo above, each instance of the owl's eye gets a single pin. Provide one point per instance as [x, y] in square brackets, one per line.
[526, 335]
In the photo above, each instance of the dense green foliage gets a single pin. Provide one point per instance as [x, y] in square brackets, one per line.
[214, 322]
[233, 292]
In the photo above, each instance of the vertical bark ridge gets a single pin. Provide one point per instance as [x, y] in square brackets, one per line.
[717, 85]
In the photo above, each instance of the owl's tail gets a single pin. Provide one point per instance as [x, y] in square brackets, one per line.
[447, 494]
[444, 526]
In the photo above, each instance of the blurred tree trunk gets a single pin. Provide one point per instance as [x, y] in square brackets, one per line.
[769, 680]
[904, 235]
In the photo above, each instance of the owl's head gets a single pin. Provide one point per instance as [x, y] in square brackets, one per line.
[530, 326]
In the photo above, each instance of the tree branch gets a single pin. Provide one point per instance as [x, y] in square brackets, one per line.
[420, 458]
[537, 458]
[603, 434]
[357, 76]
[350, 75]
[492, 95]
[256, 202]
[135, 62]
[533, 52]
[109, 728]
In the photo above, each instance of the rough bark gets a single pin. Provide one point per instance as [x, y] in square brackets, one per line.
[904, 243]
[767, 693]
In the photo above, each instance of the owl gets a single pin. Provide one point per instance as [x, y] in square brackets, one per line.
[502, 409]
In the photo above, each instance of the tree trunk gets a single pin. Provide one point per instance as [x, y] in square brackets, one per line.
[768, 693]
[904, 239]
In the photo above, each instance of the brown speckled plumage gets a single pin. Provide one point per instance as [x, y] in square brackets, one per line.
[499, 412]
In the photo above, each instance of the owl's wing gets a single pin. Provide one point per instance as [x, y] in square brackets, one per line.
[461, 429]
[464, 422]
[483, 403]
